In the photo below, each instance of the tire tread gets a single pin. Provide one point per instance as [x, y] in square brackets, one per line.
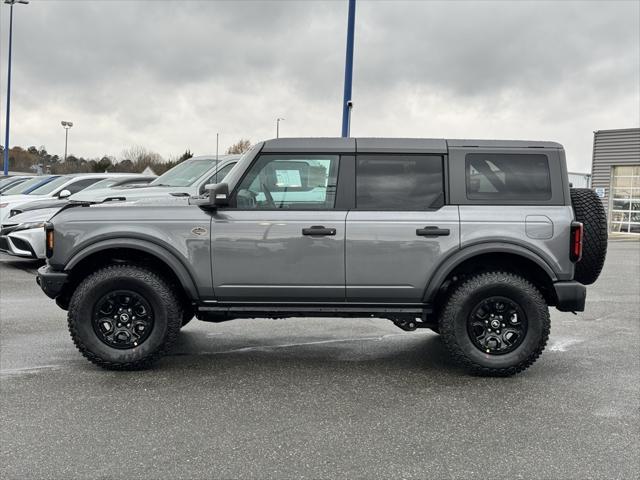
[449, 312]
[172, 304]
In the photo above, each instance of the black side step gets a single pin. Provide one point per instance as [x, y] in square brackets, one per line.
[222, 312]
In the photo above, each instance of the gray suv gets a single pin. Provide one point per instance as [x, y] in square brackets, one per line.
[473, 239]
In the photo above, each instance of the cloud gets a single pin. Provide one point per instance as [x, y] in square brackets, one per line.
[169, 75]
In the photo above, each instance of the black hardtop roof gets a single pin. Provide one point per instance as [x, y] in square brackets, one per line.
[397, 145]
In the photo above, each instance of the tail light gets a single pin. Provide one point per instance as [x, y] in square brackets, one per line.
[575, 249]
[49, 239]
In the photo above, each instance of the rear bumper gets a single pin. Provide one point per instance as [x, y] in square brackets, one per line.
[571, 296]
[51, 281]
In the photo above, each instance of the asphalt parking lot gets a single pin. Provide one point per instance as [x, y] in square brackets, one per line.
[310, 398]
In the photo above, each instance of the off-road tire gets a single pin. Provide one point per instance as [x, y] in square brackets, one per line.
[589, 210]
[454, 317]
[167, 310]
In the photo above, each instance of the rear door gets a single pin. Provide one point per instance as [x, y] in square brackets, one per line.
[400, 228]
[283, 238]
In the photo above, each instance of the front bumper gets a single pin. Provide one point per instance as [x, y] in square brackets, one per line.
[51, 281]
[29, 243]
[571, 296]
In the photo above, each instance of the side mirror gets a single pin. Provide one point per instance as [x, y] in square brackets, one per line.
[218, 194]
[64, 193]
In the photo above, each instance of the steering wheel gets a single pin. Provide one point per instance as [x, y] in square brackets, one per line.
[268, 196]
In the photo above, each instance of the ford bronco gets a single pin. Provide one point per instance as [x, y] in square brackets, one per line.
[473, 239]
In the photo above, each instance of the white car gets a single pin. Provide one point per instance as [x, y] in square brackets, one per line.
[61, 187]
[22, 235]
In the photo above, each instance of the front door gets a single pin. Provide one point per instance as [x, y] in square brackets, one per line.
[399, 229]
[282, 240]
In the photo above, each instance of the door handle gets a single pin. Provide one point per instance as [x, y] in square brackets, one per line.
[432, 231]
[318, 230]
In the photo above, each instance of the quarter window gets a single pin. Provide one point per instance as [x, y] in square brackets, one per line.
[297, 182]
[507, 177]
[399, 182]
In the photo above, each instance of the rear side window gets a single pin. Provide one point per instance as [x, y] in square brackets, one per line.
[399, 182]
[507, 177]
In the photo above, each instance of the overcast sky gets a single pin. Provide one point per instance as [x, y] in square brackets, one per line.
[168, 75]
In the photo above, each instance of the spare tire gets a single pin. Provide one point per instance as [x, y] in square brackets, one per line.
[589, 210]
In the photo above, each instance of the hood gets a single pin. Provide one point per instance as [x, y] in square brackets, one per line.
[38, 204]
[41, 215]
[18, 198]
[102, 194]
[152, 201]
[6, 203]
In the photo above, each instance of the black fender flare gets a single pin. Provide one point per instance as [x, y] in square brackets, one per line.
[466, 253]
[158, 251]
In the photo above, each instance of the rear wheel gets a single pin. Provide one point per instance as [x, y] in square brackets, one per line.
[124, 317]
[495, 324]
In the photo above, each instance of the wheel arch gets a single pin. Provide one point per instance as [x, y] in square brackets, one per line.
[494, 256]
[134, 251]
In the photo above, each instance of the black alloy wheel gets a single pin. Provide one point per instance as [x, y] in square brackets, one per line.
[123, 319]
[497, 325]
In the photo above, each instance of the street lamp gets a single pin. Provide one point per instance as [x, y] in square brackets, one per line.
[6, 134]
[278, 126]
[66, 126]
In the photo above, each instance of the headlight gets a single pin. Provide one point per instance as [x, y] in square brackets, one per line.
[14, 212]
[29, 225]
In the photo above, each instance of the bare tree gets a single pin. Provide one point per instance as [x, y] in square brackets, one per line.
[240, 146]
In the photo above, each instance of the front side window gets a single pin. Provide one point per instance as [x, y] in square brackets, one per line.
[504, 176]
[297, 182]
[399, 182]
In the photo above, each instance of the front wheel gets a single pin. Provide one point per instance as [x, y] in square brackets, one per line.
[495, 324]
[124, 317]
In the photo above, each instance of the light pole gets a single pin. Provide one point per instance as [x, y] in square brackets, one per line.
[278, 126]
[6, 133]
[66, 126]
[347, 104]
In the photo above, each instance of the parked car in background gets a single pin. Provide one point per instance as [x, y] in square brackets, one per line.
[188, 178]
[61, 186]
[8, 182]
[125, 181]
[27, 186]
[22, 233]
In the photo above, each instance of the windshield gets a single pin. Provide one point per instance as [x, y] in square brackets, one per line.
[8, 181]
[24, 186]
[49, 187]
[184, 174]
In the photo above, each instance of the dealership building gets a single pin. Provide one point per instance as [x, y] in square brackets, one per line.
[616, 177]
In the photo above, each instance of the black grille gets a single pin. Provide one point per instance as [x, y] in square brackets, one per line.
[4, 244]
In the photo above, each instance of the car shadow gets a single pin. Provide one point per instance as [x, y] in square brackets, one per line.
[407, 352]
[25, 264]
